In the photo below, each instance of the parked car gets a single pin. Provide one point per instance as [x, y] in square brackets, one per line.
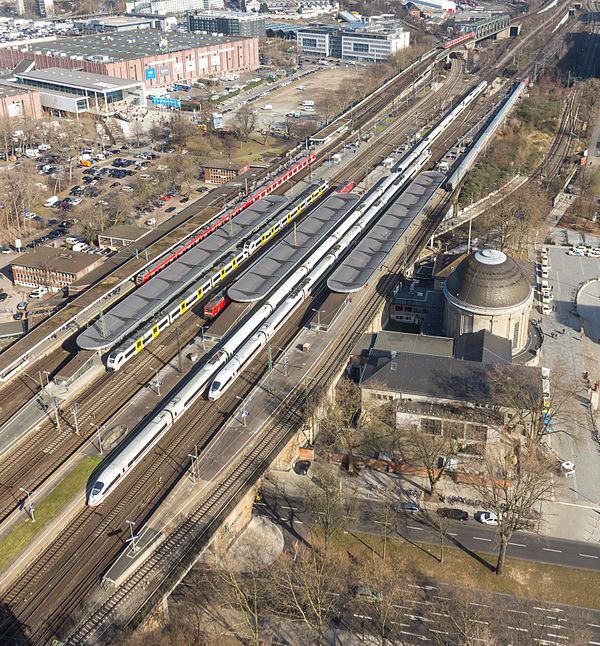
[18, 316]
[455, 514]
[3, 296]
[38, 292]
[407, 507]
[183, 200]
[22, 306]
[170, 209]
[488, 518]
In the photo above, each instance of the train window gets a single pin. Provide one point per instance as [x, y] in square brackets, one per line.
[97, 488]
[130, 352]
[234, 263]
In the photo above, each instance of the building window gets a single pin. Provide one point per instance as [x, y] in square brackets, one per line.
[360, 47]
[515, 338]
[309, 42]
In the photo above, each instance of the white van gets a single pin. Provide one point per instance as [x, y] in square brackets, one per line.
[267, 107]
[32, 153]
[51, 201]
[79, 246]
[307, 103]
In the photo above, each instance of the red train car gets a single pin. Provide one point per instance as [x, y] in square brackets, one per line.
[345, 188]
[216, 304]
[460, 39]
[153, 269]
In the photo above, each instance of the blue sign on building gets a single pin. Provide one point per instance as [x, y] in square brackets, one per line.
[150, 73]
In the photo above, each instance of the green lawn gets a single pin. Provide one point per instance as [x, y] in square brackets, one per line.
[45, 510]
[595, 186]
[473, 570]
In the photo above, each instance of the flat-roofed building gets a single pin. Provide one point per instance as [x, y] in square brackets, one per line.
[164, 7]
[220, 172]
[232, 23]
[152, 57]
[52, 268]
[76, 91]
[17, 101]
[120, 235]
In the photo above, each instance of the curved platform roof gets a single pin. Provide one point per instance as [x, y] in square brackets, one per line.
[355, 271]
[275, 265]
[150, 297]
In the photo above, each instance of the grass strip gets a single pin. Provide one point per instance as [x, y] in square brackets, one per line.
[474, 570]
[45, 510]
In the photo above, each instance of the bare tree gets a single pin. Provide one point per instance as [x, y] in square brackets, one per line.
[513, 486]
[432, 452]
[244, 122]
[339, 423]
[380, 595]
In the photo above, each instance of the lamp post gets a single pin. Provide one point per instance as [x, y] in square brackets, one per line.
[156, 381]
[319, 312]
[285, 361]
[99, 436]
[244, 411]
[133, 536]
[29, 494]
[194, 457]
[202, 328]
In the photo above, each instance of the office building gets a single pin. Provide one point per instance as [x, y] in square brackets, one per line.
[362, 45]
[148, 56]
[45, 8]
[16, 101]
[231, 23]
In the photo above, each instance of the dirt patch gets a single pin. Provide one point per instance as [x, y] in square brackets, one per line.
[288, 98]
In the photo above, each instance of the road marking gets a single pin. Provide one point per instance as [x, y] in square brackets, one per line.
[594, 643]
[549, 549]
[594, 625]
[420, 529]
[557, 636]
[588, 556]
[479, 538]
[523, 630]
[298, 522]
[518, 544]
[284, 507]
[452, 534]
[363, 617]
[518, 612]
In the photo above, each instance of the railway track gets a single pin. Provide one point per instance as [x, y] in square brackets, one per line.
[35, 600]
[107, 395]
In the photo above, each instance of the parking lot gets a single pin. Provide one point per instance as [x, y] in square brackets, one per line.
[571, 348]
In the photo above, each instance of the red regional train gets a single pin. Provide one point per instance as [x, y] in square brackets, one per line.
[153, 269]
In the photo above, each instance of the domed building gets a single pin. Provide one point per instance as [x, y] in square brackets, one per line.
[488, 291]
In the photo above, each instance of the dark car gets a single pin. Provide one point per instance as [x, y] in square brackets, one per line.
[3, 296]
[114, 185]
[301, 467]
[170, 209]
[455, 514]
[52, 223]
[183, 200]
[18, 316]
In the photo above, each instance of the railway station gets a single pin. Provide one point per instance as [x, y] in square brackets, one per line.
[355, 271]
[286, 254]
[152, 296]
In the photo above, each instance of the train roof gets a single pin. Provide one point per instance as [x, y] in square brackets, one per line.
[355, 271]
[150, 297]
[259, 279]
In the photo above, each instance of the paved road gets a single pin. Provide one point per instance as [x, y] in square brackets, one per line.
[418, 616]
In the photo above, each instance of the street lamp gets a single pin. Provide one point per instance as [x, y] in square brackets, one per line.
[133, 536]
[319, 312]
[99, 436]
[245, 413]
[29, 494]
[285, 361]
[194, 464]
[47, 379]
[202, 328]
[156, 381]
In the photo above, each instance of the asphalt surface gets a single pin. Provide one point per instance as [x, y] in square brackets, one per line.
[419, 615]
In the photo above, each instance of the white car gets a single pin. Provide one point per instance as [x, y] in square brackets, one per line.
[488, 518]
[575, 252]
[127, 188]
[38, 293]
[546, 298]
[545, 273]
[546, 309]
[75, 200]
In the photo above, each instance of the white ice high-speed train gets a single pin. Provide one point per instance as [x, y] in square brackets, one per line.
[221, 370]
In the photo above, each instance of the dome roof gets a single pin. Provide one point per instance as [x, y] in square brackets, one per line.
[488, 278]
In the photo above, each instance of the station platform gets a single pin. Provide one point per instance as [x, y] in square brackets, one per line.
[149, 298]
[279, 261]
[226, 320]
[357, 268]
[328, 311]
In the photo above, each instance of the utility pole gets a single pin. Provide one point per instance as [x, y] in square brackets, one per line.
[55, 406]
[29, 494]
[178, 348]
[271, 381]
[102, 322]
[75, 418]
